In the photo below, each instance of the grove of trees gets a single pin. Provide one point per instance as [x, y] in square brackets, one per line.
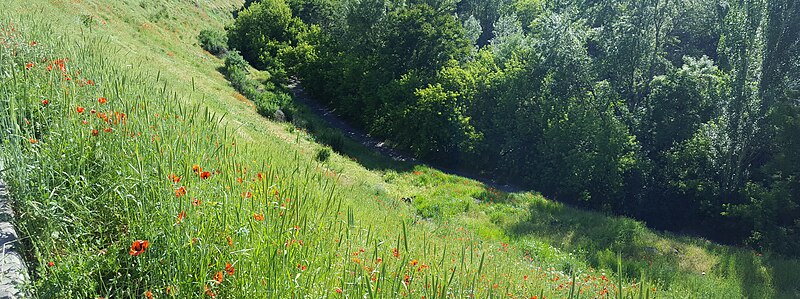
[681, 113]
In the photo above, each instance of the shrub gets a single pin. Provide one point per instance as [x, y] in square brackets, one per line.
[215, 42]
[332, 138]
[323, 154]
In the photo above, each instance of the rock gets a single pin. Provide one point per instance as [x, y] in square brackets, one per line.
[651, 250]
[279, 115]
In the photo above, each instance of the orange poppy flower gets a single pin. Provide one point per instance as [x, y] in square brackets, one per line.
[51, 264]
[174, 178]
[95, 132]
[181, 215]
[258, 217]
[33, 141]
[102, 100]
[45, 102]
[108, 130]
[180, 191]
[80, 109]
[247, 194]
[148, 294]
[229, 269]
[218, 277]
[138, 247]
[90, 82]
[260, 176]
[395, 252]
[205, 174]
[29, 65]
[230, 241]
[196, 202]
[209, 292]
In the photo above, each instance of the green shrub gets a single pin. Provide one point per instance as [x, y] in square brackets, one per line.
[323, 154]
[332, 138]
[215, 42]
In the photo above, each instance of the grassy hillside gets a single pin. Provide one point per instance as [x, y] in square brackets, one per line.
[159, 148]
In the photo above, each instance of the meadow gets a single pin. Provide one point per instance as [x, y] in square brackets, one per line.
[138, 171]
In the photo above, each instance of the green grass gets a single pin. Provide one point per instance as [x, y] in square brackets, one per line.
[329, 226]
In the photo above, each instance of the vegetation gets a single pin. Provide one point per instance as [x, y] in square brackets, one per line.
[138, 171]
[679, 113]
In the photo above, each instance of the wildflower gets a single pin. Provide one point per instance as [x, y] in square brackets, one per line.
[258, 217]
[218, 277]
[95, 132]
[196, 202]
[229, 269]
[205, 174]
[260, 176]
[29, 65]
[45, 102]
[301, 267]
[33, 141]
[196, 168]
[169, 290]
[247, 194]
[230, 241]
[148, 294]
[90, 82]
[209, 292]
[102, 100]
[338, 290]
[395, 252]
[181, 215]
[108, 130]
[80, 109]
[138, 247]
[92, 111]
[174, 178]
[413, 262]
[180, 192]
[51, 264]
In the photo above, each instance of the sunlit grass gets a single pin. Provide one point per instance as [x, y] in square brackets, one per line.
[267, 221]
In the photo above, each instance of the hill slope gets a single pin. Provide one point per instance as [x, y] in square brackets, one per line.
[262, 218]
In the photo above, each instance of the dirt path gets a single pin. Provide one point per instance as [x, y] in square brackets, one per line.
[334, 121]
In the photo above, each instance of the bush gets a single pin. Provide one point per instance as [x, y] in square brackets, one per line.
[332, 138]
[215, 42]
[323, 154]
[268, 103]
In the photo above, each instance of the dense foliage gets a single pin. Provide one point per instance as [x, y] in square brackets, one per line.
[683, 113]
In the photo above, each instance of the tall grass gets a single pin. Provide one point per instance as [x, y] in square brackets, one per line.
[263, 219]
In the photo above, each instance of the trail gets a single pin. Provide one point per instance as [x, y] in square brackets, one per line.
[334, 121]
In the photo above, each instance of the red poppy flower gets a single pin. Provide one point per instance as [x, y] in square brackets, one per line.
[29, 65]
[338, 290]
[209, 292]
[180, 192]
[33, 141]
[247, 194]
[45, 102]
[258, 217]
[181, 215]
[51, 264]
[95, 132]
[108, 130]
[196, 168]
[148, 294]
[174, 178]
[90, 82]
[205, 174]
[80, 109]
[196, 202]
[260, 176]
[138, 247]
[102, 100]
[230, 241]
[395, 252]
[229, 269]
[218, 277]
[92, 111]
